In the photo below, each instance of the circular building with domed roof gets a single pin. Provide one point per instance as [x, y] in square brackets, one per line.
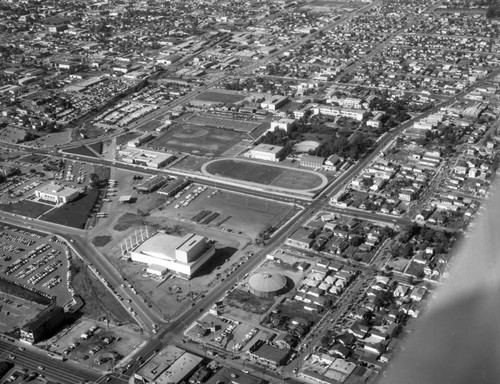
[267, 284]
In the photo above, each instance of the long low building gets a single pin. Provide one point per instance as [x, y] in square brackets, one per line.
[183, 256]
[330, 110]
[171, 366]
[152, 159]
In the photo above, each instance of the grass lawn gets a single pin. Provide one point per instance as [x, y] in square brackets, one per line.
[96, 147]
[92, 131]
[219, 97]
[190, 163]
[34, 159]
[363, 257]
[26, 208]
[415, 269]
[252, 172]
[75, 213]
[80, 151]
[398, 264]
[101, 241]
[150, 125]
[126, 137]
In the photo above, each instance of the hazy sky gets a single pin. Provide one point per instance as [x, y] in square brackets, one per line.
[458, 340]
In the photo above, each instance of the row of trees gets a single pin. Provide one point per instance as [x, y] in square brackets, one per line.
[345, 145]
[422, 237]
[342, 143]
[493, 10]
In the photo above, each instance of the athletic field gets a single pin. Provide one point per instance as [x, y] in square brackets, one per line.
[196, 140]
[265, 174]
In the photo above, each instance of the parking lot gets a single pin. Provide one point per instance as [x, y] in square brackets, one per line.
[96, 343]
[34, 261]
[20, 375]
[74, 173]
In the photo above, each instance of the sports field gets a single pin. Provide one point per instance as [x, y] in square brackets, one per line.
[265, 174]
[196, 140]
[219, 97]
[227, 123]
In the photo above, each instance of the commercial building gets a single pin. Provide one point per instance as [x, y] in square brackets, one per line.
[45, 325]
[56, 193]
[301, 238]
[266, 152]
[183, 256]
[271, 355]
[153, 370]
[151, 184]
[152, 159]
[180, 369]
[172, 187]
[233, 376]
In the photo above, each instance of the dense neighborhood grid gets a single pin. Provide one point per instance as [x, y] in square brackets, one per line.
[242, 192]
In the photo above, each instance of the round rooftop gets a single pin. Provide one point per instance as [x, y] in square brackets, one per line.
[267, 282]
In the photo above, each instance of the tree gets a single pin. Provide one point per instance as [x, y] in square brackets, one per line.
[356, 241]
[408, 232]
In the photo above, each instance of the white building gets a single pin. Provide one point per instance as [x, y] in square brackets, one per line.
[375, 121]
[274, 102]
[266, 152]
[283, 123]
[183, 256]
[329, 110]
[137, 142]
[56, 193]
[152, 159]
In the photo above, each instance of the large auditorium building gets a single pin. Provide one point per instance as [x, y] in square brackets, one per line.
[182, 256]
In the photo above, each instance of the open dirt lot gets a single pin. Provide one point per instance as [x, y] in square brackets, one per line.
[237, 213]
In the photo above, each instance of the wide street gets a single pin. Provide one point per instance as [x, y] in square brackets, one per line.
[170, 332]
[32, 358]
